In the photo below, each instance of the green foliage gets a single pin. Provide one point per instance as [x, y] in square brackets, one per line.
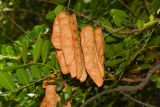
[6, 81]
[52, 14]
[22, 76]
[132, 41]
[118, 16]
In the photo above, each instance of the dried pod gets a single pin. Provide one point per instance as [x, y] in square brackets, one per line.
[51, 96]
[80, 69]
[56, 41]
[99, 41]
[62, 62]
[91, 55]
[43, 103]
[67, 43]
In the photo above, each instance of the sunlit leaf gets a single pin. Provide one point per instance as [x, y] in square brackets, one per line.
[45, 50]
[24, 53]
[6, 81]
[36, 71]
[37, 49]
[53, 59]
[22, 76]
[58, 9]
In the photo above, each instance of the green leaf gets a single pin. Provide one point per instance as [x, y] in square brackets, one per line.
[45, 70]
[64, 96]
[53, 59]
[36, 71]
[118, 48]
[109, 52]
[50, 15]
[37, 49]
[119, 13]
[6, 81]
[158, 83]
[58, 9]
[110, 39]
[24, 53]
[59, 87]
[117, 20]
[22, 76]
[139, 24]
[113, 63]
[78, 96]
[69, 91]
[37, 30]
[9, 50]
[118, 16]
[78, 6]
[122, 68]
[45, 50]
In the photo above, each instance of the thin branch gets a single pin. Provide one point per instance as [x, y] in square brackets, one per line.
[131, 80]
[29, 84]
[112, 30]
[135, 100]
[145, 2]
[140, 86]
[14, 22]
[127, 7]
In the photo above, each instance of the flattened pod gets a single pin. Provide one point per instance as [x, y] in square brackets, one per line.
[88, 47]
[43, 103]
[67, 43]
[77, 50]
[62, 62]
[99, 41]
[56, 41]
[84, 75]
[51, 96]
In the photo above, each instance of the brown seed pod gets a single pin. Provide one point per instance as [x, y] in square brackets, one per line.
[90, 55]
[56, 41]
[80, 69]
[99, 41]
[51, 96]
[67, 43]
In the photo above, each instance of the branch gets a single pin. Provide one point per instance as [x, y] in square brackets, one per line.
[17, 89]
[112, 30]
[120, 1]
[140, 86]
[135, 100]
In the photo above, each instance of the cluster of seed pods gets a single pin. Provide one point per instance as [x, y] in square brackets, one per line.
[78, 54]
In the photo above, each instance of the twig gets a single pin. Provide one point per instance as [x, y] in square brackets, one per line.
[120, 1]
[125, 88]
[145, 2]
[29, 84]
[112, 30]
[131, 80]
[14, 22]
[135, 100]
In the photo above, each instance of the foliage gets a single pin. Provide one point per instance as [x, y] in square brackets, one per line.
[132, 37]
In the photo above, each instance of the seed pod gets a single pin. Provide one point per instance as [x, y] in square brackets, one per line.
[67, 43]
[43, 103]
[51, 96]
[80, 69]
[62, 62]
[90, 55]
[99, 41]
[56, 41]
